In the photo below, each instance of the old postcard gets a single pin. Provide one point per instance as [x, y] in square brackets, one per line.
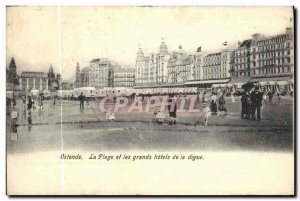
[150, 100]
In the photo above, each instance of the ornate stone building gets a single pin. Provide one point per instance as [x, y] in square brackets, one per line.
[33, 80]
[100, 73]
[124, 77]
[81, 77]
[265, 56]
[152, 68]
[199, 57]
[273, 55]
[217, 65]
[241, 67]
[161, 64]
[181, 67]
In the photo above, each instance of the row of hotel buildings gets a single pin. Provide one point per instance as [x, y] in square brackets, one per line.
[259, 57]
[104, 73]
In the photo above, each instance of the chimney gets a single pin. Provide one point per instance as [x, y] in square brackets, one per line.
[289, 30]
[255, 36]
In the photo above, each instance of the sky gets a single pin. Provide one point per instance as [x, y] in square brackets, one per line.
[62, 36]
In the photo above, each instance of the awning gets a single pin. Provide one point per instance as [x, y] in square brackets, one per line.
[271, 83]
[239, 80]
[208, 82]
[269, 79]
[172, 85]
[282, 82]
[146, 86]
[263, 83]
[218, 85]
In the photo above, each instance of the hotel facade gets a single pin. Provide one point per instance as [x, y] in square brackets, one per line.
[33, 80]
[124, 77]
[217, 65]
[153, 68]
[100, 73]
[273, 55]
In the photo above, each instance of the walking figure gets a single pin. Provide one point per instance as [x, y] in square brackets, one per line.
[87, 100]
[213, 104]
[8, 102]
[29, 104]
[14, 124]
[246, 105]
[206, 114]
[279, 97]
[265, 97]
[232, 96]
[256, 99]
[14, 101]
[41, 102]
[172, 110]
[81, 99]
[54, 100]
[204, 97]
[270, 97]
[243, 102]
[222, 103]
[198, 97]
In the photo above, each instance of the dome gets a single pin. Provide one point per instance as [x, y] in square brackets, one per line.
[163, 48]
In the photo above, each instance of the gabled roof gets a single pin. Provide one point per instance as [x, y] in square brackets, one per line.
[246, 43]
[95, 60]
[214, 54]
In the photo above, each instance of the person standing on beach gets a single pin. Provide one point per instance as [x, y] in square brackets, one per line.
[81, 99]
[172, 110]
[256, 101]
[222, 104]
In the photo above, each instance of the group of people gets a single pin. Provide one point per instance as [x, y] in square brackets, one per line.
[251, 104]
[10, 102]
[172, 108]
[216, 105]
[271, 95]
[29, 105]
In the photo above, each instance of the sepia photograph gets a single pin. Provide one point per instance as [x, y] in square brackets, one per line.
[150, 100]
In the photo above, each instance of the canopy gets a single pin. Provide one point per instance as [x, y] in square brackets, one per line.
[269, 79]
[282, 82]
[215, 85]
[239, 80]
[263, 83]
[208, 81]
[271, 83]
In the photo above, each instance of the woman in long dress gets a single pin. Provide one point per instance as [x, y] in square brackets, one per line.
[172, 111]
[222, 103]
[213, 104]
